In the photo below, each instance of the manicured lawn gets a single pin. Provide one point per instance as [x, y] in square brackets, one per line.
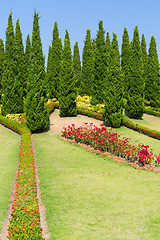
[149, 121]
[9, 150]
[87, 197]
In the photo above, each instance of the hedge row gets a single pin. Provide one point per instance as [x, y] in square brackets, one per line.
[25, 216]
[152, 112]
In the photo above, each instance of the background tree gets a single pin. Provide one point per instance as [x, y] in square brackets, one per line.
[48, 72]
[20, 77]
[87, 66]
[77, 65]
[114, 87]
[144, 58]
[152, 86]
[9, 86]
[37, 116]
[99, 67]
[125, 56]
[67, 96]
[53, 75]
[135, 97]
[1, 66]
[27, 51]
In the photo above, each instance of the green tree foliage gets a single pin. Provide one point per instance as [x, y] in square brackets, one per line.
[20, 67]
[87, 66]
[114, 87]
[99, 67]
[125, 56]
[135, 97]
[48, 70]
[1, 66]
[108, 50]
[77, 65]
[54, 70]
[152, 86]
[144, 58]
[37, 116]
[27, 51]
[67, 96]
[10, 85]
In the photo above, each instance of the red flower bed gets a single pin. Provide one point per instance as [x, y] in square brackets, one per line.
[105, 140]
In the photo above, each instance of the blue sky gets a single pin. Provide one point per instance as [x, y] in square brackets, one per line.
[78, 16]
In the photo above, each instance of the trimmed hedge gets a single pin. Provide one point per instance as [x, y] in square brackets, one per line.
[25, 216]
[154, 112]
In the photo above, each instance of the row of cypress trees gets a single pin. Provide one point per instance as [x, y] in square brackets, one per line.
[104, 75]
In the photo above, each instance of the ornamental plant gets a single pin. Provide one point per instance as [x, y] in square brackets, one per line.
[104, 139]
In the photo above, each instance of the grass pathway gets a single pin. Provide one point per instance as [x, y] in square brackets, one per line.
[9, 150]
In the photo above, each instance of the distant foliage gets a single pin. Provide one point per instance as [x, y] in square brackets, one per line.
[67, 94]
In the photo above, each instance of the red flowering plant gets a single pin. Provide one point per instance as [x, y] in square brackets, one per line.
[157, 161]
[104, 139]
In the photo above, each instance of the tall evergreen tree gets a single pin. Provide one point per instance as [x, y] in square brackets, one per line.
[20, 68]
[10, 87]
[48, 71]
[108, 49]
[77, 64]
[1, 66]
[125, 56]
[144, 57]
[53, 75]
[87, 66]
[67, 96]
[99, 67]
[37, 116]
[114, 87]
[27, 51]
[135, 97]
[152, 86]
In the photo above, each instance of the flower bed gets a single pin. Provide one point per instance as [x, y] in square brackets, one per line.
[103, 139]
[25, 216]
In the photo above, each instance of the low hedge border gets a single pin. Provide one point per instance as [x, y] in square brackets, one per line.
[25, 216]
[152, 112]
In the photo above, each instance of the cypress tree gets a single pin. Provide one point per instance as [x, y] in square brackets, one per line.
[135, 97]
[87, 66]
[77, 64]
[37, 116]
[99, 67]
[125, 55]
[53, 76]
[67, 96]
[27, 51]
[108, 49]
[153, 79]
[20, 68]
[144, 58]
[1, 66]
[10, 87]
[114, 93]
[48, 71]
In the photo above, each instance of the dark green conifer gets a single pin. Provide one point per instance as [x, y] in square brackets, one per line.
[108, 49]
[27, 51]
[1, 66]
[53, 75]
[20, 68]
[37, 116]
[67, 96]
[10, 87]
[144, 57]
[135, 97]
[152, 86]
[114, 87]
[48, 71]
[125, 55]
[77, 65]
[99, 67]
[87, 66]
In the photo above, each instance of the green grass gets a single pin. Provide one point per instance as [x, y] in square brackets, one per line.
[9, 148]
[149, 121]
[136, 136]
[84, 202]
